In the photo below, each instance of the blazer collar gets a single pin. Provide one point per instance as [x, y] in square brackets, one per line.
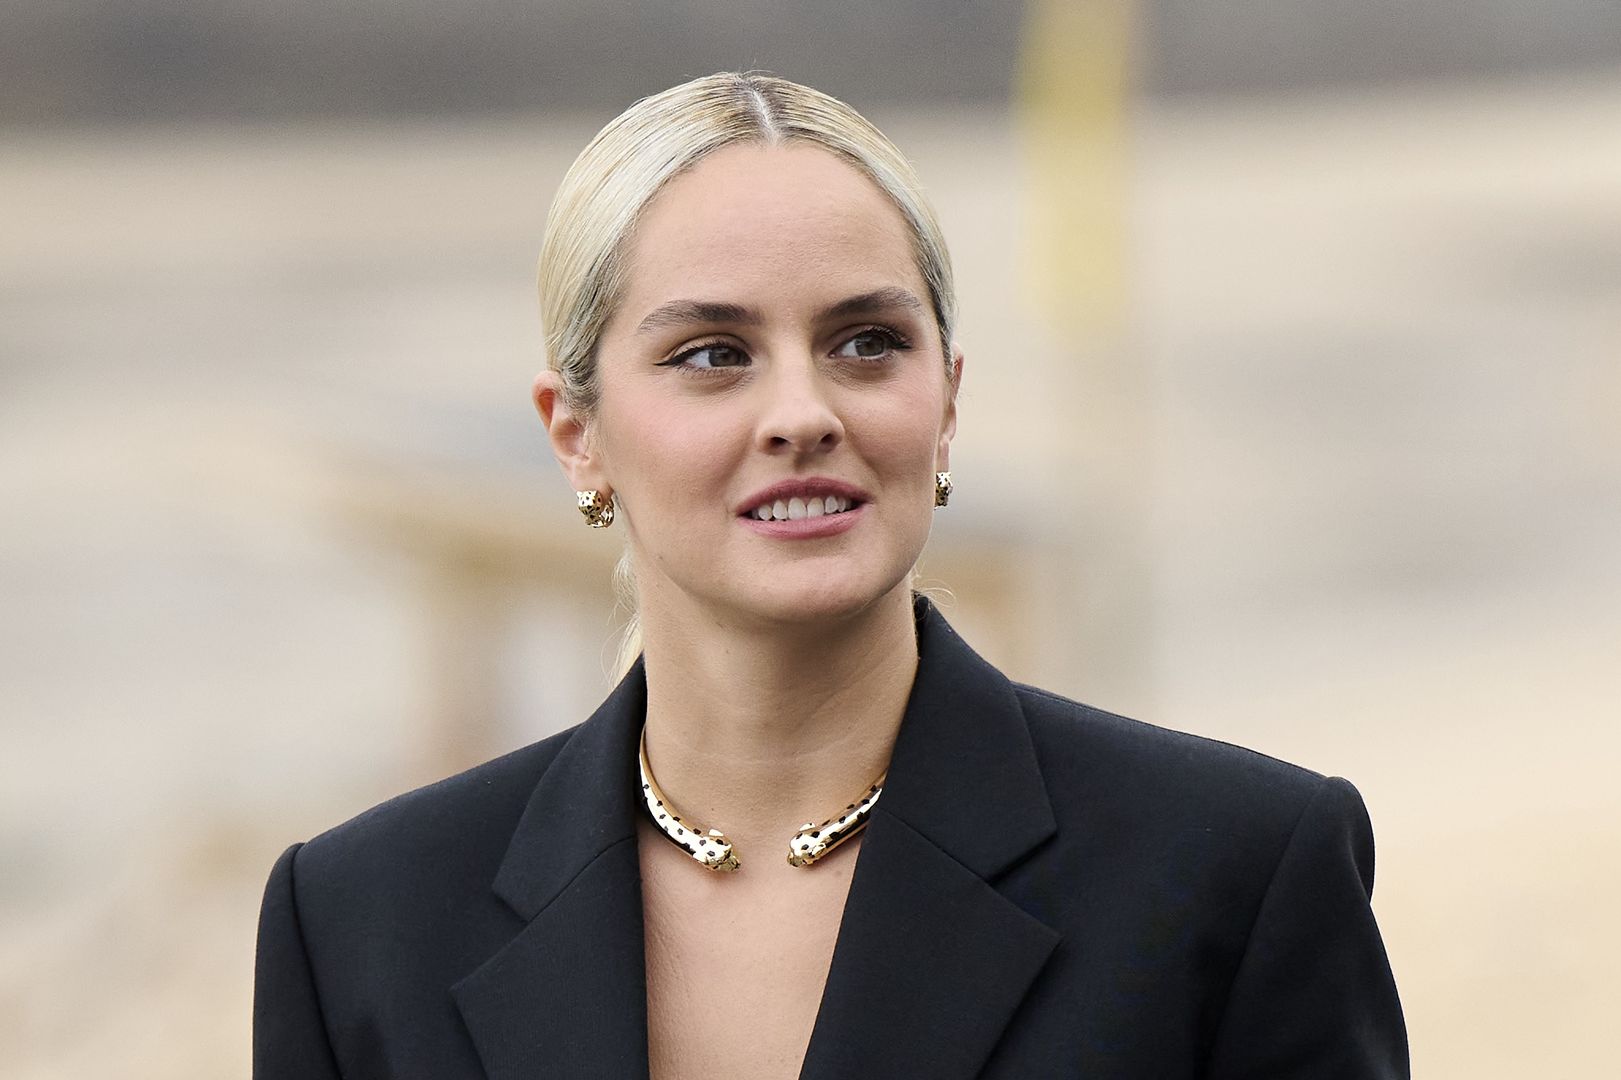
[963, 747]
[923, 931]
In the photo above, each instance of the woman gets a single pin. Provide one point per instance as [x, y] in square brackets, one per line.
[749, 330]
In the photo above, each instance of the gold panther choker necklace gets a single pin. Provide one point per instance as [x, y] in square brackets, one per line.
[713, 851]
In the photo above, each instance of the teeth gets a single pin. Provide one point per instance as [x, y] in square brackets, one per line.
[796, 508]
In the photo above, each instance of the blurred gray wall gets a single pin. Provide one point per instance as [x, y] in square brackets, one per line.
[109, 60]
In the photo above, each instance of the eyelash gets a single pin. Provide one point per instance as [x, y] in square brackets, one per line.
[894, 341]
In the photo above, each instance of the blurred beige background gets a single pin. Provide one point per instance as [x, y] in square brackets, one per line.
[1291, 414]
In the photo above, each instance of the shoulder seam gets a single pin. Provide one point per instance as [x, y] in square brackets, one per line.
[1260, 909]
[304, 948]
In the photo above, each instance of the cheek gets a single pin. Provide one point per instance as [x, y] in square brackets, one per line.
[905, 431]
[657, 455]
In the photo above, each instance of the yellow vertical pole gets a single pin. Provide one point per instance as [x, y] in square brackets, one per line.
[1074, 94]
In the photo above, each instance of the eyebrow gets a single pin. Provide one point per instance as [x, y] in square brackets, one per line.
[685, 312]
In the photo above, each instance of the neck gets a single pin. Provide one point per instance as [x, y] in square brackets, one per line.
[757, 731]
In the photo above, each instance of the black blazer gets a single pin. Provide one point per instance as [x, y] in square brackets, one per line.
[1045, 890]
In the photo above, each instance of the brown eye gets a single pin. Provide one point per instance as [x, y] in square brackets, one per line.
[870, 345]
[708, 357]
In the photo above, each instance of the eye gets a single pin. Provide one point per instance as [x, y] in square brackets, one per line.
[707, 357]
[874, 343]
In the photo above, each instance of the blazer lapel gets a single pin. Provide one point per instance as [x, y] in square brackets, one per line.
[931, 960]
[567, 997]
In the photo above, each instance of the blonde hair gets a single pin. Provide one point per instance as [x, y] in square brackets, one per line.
[604, 193]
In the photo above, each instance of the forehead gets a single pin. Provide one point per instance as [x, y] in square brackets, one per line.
[790, 220]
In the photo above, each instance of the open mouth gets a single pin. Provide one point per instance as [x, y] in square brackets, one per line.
[796, 508]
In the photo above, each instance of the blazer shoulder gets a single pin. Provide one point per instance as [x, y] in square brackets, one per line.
[463, 819]
[1162, 774]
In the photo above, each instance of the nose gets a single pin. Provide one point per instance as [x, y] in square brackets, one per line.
[799, 416]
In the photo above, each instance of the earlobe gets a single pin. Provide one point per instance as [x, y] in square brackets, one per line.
[568, 434]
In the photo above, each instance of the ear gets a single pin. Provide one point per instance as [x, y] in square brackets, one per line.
[571, 440]
[948, 423]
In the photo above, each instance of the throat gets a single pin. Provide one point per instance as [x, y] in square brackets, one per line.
[754, 740]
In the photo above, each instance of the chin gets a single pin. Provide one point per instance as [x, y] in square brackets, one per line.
[823, 598]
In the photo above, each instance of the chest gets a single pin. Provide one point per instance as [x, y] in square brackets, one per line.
[735, 967]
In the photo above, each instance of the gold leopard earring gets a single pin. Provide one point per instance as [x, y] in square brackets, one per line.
[597, 508]
[942, 489]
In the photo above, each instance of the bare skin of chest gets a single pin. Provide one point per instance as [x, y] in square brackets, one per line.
[736, 963]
